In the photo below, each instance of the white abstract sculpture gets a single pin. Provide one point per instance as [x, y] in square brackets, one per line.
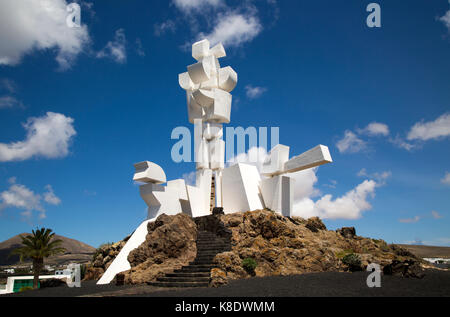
[208, 88]
[278, 190]
[238, 188]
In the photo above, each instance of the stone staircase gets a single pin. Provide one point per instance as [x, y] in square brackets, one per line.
[197, 273]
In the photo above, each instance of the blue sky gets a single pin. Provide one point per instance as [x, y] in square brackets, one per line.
[78, 107]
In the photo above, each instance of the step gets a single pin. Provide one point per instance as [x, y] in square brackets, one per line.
[215, 250]
[179, 284]
[188, 275]
[204, 258]
[191, 269]
[183, 279]
[208, 252]
[211, 245]
[198, 266]
[207, 247]
[204, 261]
[206, 234]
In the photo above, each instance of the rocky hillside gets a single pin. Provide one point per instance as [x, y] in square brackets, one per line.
[263, 244]
[286, 246]
[76, 251]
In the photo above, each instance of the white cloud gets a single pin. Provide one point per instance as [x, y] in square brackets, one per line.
[376, 129]
[139, 48]
[20, 197]
[436, 215]
[410, 220]
[446, 179]
[349, 206]
[425, 131]
[10, 102]
[379, 177]
[332, 184]
[399, 142]
[187, 6]
[8, 85]
[255, 156]
[233, 29]
[26, 26]
[350, 143]
[446, 19]
[304, 184]
[164, 27]
[115, 49]
[50, 197]
[48, 136]
[254, 92]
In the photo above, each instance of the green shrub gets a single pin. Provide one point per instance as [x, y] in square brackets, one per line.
[25, 288]
[353, 261]
[342, 254]
[249, 265]
[82, 271]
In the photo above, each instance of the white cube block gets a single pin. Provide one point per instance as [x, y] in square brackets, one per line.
[195, 111]
[278, 194]
[275, 160]
[200, 49]
[240, 189]
[217, 154]
[317, 156]
[220, 111]
[205, 98]
[185, 82]
[202, 154]
[148, 172]
[160, 200]
[228, 79]
[179, 186]
[218, 51]
[212, 130]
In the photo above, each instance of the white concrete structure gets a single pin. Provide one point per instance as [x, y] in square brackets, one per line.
[278, 194]
[238, 188]
[278, 190]
[120, 263]
[208, 88]
[241, 189]
[9, 287]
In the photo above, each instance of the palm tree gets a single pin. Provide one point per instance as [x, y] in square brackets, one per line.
[36, 247]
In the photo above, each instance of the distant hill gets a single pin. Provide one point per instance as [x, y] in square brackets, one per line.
[76, 251]
[425, 251]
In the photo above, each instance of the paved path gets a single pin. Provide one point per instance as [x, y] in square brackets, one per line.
[435, 283]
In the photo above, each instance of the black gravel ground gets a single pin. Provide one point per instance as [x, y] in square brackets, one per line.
[435, 283]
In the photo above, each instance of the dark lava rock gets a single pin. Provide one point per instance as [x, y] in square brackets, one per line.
[218, 211]
[347, 232]
[408, 268]
[315, 224]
